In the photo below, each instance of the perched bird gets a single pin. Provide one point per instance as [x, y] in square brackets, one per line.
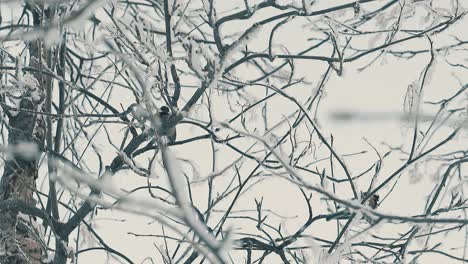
[372, 202]
[170, 133]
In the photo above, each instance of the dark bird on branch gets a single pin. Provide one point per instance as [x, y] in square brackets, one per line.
[170, 133]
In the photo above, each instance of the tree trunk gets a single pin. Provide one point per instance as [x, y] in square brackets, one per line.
[20, 240]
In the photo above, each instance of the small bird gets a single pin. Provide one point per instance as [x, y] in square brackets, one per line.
[169, 133]
[372, 202]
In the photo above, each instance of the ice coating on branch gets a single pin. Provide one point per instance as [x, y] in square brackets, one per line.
[197, 59]
[181, 192]
[32, 83]
[29, 83]
[139, 112]
[200, 57]
[411, 98]
[161, 54]
[344, 248]
[238, 45]
[206, 6]
[131, 163]
[251, 33]
[82, 11]
[184, 114]
[431, 70]
[308, 5]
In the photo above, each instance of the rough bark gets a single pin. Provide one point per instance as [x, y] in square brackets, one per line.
[20, 240]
